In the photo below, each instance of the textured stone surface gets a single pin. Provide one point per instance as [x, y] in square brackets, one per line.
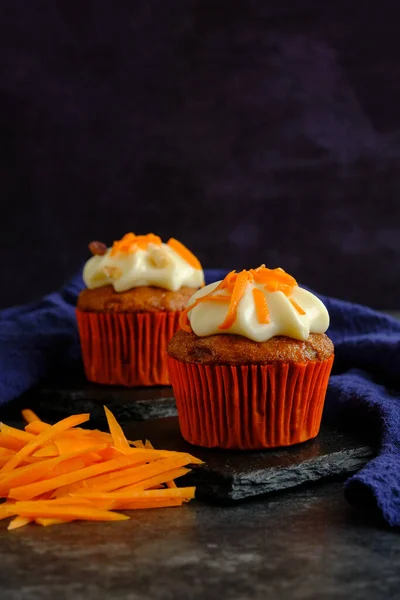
[303, 545]
[58, 400]
[231, 476]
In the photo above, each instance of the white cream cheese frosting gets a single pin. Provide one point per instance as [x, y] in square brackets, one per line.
[282, 308]
[138, 261]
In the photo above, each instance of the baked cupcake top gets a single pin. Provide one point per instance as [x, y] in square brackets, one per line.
[142, 260]
[258, 304]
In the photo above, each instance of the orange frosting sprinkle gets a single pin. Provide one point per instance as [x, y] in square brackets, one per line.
[130, 243]
[273, 280]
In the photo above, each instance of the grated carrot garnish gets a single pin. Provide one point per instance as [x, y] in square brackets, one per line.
[239, 289]
[184, 253]
[261, 305]
[300, 310]
[130, 242]
[274, 280]
[184, 322]
[142, 241]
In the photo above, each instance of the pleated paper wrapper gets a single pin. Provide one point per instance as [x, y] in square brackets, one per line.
[127, 349]
[249, 407]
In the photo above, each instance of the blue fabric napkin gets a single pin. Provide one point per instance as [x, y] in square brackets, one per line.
[41, 339]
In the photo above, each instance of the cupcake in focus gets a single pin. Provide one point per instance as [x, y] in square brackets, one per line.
[251, 364]
[135, 293]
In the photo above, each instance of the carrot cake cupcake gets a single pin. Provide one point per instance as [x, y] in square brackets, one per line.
[251, 364]
[135, 293]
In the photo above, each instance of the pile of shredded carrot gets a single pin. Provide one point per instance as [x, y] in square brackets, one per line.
[233, 288]
[60, 473]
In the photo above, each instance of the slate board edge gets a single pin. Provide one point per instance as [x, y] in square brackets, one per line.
[240, 488]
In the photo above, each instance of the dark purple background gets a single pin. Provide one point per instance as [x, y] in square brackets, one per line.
[253, 131]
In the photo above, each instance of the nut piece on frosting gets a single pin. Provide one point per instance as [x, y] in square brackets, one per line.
[97, 248]
[142, 260]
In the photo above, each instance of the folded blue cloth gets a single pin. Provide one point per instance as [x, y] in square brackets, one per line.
[41, 339]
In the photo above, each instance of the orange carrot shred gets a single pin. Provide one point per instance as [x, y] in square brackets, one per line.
[22, 436]
[154, 481]
[65, 442]
[136, 473]
[46, 521]
[43, 437]
[238, 290]
[184, 253]
[261, 305]
[132, 495]
[166, 477]
[184, 322]
[18, 522]
[47, 451]
[29, 416]
[5, 452]
[136, 444]
[130, 242]
[46, 509]
[274, 279]
[118, 436]
[300, 310]
[142, 241]
[10, 443]
[146, 504]
[7, 510]
[228, 282]
[124, 244]
[37, 427]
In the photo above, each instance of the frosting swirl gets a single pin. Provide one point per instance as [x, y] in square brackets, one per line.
[257, 304]
[142, 260]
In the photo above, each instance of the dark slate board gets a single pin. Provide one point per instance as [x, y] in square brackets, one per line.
[233, 475]
[128, 404]
[227, 476]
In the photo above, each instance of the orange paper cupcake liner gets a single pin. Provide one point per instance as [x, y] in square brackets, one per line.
[126, 348]
[249, 407]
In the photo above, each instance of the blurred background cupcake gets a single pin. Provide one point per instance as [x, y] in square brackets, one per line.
[250, 366]
[135, 294]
